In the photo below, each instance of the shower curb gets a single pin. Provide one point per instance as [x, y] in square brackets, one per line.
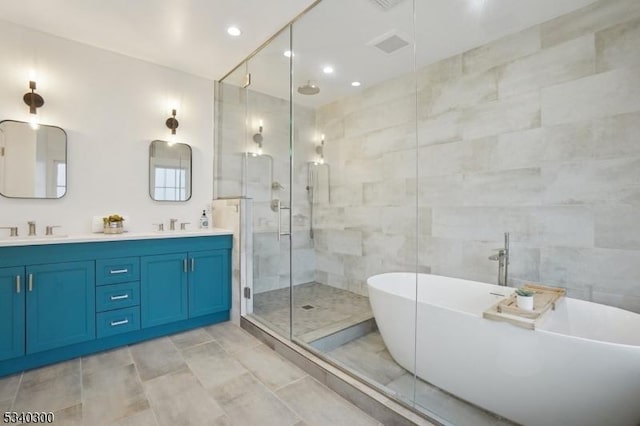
[372, 402]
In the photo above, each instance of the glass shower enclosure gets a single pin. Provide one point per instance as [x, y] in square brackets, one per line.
[386, 147]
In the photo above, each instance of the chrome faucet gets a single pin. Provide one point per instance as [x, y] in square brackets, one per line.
[32, 228]
[503, 261]
[172, 224]
[12, 229]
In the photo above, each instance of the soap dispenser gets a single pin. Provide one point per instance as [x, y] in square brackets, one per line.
[204, 220]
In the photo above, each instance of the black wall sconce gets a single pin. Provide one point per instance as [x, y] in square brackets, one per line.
[172, 123]
[34, 101]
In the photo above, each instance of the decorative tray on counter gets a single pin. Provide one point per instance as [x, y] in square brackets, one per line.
[544, 300]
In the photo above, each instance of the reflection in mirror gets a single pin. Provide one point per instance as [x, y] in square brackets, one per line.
[33, 163]
[169, 171]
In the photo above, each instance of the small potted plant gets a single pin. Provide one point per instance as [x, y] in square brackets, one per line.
[113, 224]
[524, 299]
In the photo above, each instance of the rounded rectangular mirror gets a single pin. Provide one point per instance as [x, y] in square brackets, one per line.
[33, 162]
[169, 171]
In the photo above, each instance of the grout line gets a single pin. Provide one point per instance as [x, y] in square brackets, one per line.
[15, 394]
[144, 392]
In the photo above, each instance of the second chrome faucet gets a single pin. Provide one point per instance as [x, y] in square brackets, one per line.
[502, 257]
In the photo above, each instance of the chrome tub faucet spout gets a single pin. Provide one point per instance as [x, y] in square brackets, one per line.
[502, 257]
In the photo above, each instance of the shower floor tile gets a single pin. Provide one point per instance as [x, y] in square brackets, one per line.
[369, 357]
[318, 310]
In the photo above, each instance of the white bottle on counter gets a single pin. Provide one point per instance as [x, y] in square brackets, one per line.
[204, 220]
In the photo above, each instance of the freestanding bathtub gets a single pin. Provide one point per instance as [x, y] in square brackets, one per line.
[581, 366]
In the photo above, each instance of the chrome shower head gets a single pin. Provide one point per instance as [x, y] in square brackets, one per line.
[308, 89]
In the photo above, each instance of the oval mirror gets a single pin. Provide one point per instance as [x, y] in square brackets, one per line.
[169, 171]
[33, 163]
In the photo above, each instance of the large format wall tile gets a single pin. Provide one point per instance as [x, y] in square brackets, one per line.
[617, 136]
[554, 144]
[380, 116]
[616, 226]
[535, 134]
[564, 62]
[618, 46]
[600, 95]
[608, 181]
[597, 16]
[603, 269]
[502, 116]
[468, 90]
[502, 51]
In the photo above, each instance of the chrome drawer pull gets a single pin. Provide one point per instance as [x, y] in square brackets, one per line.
[184, 265]
[123, 322]
[118, 271]
[193, 264]
[30, 282]
[124, 296]
[17, 283]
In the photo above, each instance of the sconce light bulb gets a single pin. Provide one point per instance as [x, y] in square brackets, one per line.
[33, 121]
[321, 161]
[259, 151]
[172, 140]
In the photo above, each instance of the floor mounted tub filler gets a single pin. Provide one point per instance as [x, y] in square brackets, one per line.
[581, 366]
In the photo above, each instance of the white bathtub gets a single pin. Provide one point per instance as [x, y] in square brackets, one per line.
[580, 367]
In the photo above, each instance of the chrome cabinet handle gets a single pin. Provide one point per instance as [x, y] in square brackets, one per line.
[193, 264]
[17, 283]
[116, 323]
[124, 296]
[118, 271]
[184, 264]
[30, 282]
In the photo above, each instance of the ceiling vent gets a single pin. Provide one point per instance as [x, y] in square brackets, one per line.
[387, 4]
[390, 42]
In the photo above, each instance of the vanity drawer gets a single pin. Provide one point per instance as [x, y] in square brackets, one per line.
[118, 321]
[116, 296]
[112, 271]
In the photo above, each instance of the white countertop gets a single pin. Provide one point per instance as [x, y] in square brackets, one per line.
[99, 237]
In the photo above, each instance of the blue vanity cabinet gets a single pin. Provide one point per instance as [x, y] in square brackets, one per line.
[62, 301]
[184, 285]
[60, 305]
[163, 289]
[209, 273]
[11, 312]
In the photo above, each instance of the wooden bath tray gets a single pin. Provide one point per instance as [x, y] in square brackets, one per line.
[544, 300]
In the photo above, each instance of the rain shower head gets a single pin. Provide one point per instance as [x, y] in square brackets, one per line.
[308, 89]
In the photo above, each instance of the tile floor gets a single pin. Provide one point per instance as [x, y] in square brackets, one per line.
[369, 357]
[217, 375]
[333, 310]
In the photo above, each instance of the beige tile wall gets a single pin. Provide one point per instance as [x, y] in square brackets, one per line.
[537, 133]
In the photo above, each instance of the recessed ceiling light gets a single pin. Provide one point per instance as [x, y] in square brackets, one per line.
[355, 83]
[288, 54]
[234, 31]
[327, 69]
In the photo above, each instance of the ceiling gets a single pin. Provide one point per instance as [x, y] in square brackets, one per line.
[190, 35]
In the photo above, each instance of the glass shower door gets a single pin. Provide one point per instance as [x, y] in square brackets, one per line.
[267, 181]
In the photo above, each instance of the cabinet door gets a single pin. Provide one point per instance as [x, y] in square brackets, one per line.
[209, 282]
[60, 305]
[11, 312]
[163, 289]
